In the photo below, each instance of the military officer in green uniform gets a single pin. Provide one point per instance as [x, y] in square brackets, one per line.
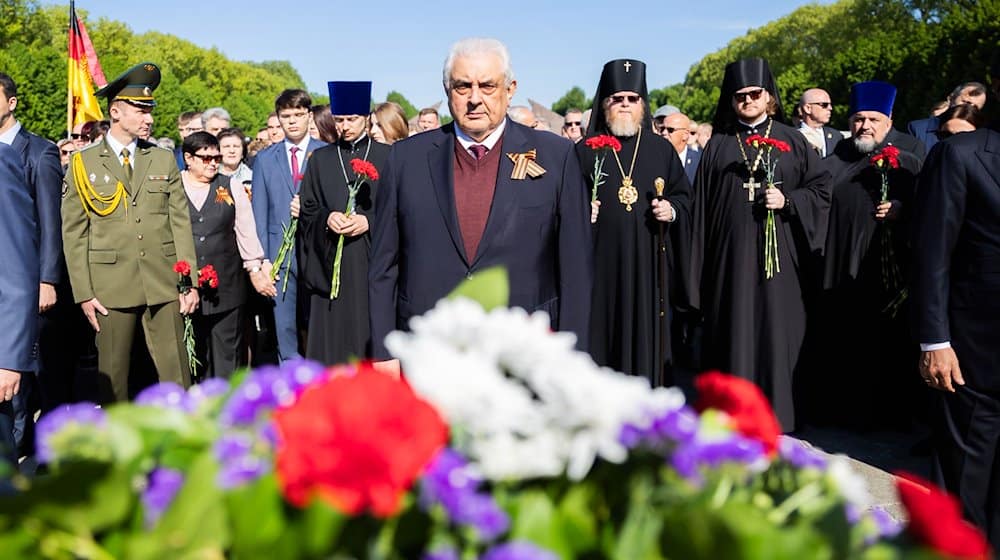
[125, 225]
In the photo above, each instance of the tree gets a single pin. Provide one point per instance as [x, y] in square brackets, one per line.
[572, 99]
[408, 107]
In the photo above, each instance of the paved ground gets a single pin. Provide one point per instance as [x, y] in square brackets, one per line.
[874, 455]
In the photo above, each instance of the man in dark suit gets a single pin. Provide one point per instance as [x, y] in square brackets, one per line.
[925, 130]
[815, 110]
[18, 288]
[275, 186]
[451, 203]
[956, 299]
[676, 129]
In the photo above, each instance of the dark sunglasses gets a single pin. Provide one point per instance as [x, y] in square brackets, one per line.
[752, 95]
[75, 136]
[671, 130]
[569, 124]
[629, 98]
[67, 152]
[208, 159]
[823, 104]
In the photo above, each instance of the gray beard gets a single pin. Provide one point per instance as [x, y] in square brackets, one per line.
[623, 125]
[865, 146]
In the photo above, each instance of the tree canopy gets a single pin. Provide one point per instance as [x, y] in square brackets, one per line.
[924, 47]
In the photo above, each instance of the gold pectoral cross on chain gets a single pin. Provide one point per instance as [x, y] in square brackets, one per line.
[751, 187]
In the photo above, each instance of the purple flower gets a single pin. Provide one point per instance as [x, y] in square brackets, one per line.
[165, 395]
[800, 455]
[206, 390]
[263, 391]
[853, 513]
[301, 372]
[884, 522]
[631, 435]
[441, 554]
[68, 418]
[163, 485]
[680, 425]
[689, 457]
[239, 464]
[451, 483]
[518, 550]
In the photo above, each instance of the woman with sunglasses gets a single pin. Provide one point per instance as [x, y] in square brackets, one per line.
[225, 237]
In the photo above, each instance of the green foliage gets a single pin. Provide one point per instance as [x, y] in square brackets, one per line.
[924, 47]
[575, 98]
[408, 108]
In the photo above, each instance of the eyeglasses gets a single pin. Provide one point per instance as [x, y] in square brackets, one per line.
[75, 136]
[753, 95]
[208, 159]
[823, 104]
[192, 129]
[572, 124]
[623, 98]
[67, 152]
[671, 130]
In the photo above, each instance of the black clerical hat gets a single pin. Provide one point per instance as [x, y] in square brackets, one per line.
[740, 74]
[350, 98]
[134, 86]
[624, 74]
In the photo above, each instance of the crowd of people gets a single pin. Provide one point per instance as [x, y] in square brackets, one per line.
[845, 272]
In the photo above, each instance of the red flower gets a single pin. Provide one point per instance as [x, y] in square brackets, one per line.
[889, 155]
[357, 442]
[936, 519]
[755, 140]
[366, 168]
[604, 141]
[208, 277]
[779, 145]
[743, 402]
[182, 268]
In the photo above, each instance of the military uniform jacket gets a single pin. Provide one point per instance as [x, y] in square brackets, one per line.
[126, 259]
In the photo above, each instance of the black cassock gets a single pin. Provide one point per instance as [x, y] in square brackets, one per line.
[338, 328]
[863, 352]
[754, 327]
[635, 278]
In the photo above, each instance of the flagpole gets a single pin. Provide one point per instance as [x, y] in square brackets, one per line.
[69, 73]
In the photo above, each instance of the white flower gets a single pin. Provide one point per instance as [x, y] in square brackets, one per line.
[521, 400]
[850, 484]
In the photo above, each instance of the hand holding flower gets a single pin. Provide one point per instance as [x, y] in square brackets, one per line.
[774, 199]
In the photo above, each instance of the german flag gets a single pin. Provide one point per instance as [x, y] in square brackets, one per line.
[84, 72]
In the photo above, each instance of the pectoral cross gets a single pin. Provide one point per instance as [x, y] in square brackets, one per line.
[627, 66]
[751, 186]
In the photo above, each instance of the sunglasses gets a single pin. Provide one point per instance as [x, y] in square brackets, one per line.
[572, 124]
[823, 104]
[67, 152]
[208, 159]
[623, 98]
[752, 95]
[671, 130]
[75, 136]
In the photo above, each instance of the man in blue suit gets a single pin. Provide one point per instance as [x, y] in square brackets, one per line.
[926, 129]
[451, 202]
[277, 171]
[18, 288]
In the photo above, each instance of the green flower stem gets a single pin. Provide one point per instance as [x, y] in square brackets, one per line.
[189, 346]
[284, 252]
[335, 281]
[598, 176]
[722, 492]
[799, 498]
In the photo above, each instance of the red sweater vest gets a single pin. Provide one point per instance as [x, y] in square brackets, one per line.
[475, 181]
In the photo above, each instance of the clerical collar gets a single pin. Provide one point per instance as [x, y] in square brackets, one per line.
[753, 127]
[490, 141]
[351, 146]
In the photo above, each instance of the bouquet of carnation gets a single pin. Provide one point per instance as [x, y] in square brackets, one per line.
[772, 262]
[501, 443]
[285, 252]
[363, 171]
[886, 159]
[601, 145]
[184, 285]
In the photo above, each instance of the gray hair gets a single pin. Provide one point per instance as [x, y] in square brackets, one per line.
[215, 113]
[477, 46]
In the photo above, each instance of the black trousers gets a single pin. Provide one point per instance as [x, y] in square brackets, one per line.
[220, 342]
[967, 454]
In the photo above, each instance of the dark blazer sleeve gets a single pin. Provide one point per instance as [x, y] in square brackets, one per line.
[19, 255]
[383, 266]
[575, 251]
[939, 209]
[45, 173]
[260, 203]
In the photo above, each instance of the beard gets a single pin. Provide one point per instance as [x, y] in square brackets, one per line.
[865, 145]
[623, 124]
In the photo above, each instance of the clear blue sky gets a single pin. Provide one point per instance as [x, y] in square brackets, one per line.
[401, 45]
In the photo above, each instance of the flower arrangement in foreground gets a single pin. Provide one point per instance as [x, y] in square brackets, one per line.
[501, 443]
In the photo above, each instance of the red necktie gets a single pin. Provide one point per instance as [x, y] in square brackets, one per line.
[478, 150]
[296, 175]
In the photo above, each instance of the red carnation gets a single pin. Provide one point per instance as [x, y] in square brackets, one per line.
[779, 145]
[936, 519]
[182, 268]
[743, 402]
[889, 155]
[755, 140]
[357, 442]
[208, 277]
[366, 168]
[604, 141]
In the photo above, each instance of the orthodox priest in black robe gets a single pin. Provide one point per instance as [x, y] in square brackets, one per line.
[864, 354]
[338, 326]
[754, 325]
[640, 215]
